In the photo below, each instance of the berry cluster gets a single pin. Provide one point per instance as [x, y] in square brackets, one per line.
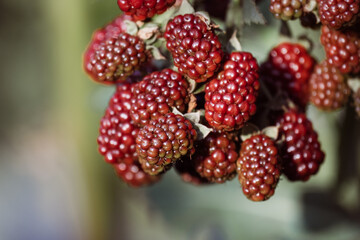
[184, 100]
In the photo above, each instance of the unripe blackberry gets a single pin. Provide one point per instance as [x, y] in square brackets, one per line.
[342, 49]
[216, 158]
[195, 48]
[230, 98]
[186, 169]
[133, 175]
[287, 9]
[117, 58]
[328, 88]
[258, 167]
[141, 10]
[156, 94]
[301, 153]
[110, 30]
[163, 141]
[117, 131]
[288, 71]
[338, 13]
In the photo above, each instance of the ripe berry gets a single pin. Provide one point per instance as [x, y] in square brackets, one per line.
[186, 169]
[133, 175]
[216, 158]
[258, 167]
[328, 88]
[342, 49]
[338, 13]
[141, 10]
[301, 152]
[195, 48]
[156, 94]
[230, 98]
[287, 9]
[117, 131]
[117, 58]
[287, 71]
[163, 141]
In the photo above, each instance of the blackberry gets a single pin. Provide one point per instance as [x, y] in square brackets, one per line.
[156, 94]
[117, 131]
[287, 71]
[133, 175]
[110, 30]
[328, 88]
[216, 158]
[117, 58]
[287, 9]
[141, 10]
[186, 169]
[195, 48]
[301, 153]
[163, 141]
[342, 49]
[338, 13]
[258, 167]
[230, 98]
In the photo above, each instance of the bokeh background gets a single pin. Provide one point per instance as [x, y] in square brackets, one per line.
[54, 185]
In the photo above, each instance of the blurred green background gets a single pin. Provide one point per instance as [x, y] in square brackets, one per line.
[54, 184]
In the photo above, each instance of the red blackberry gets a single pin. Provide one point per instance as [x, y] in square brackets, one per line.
[230, 98]
[258, 167]
[163, 141]
[111, 30]
[287, 9]
[288, 70]
[216, 158]
[186, 169]
[356, 97]
[195, 48]
[156, 94]
[143, 9]
[301, 153]
[133, 175]
[338, 13]
[328, 88]
[117, 131]
[117, 58]
[342, 49]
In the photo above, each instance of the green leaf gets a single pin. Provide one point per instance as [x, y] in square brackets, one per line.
[131, 27]
[354, 84]
[251, 13]
[202, 130]
[185, 8]
[234, 43]
[155, 52]
[194, 117]
[271, 132]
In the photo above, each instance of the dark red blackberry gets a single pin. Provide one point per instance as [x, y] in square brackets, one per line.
[287, 71]
[287, 9]
[156, 94]
[230, 98]
[110, 30]
[195, 48]
[163, 141]
[117, 58]
[133, 175]
[301, 153]
[216, 158]
[258, 167]
[342, 49]
[117, 131]
[143, 9]
[328, 88]
[338, 13]
[186, 169]
[356, 98]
